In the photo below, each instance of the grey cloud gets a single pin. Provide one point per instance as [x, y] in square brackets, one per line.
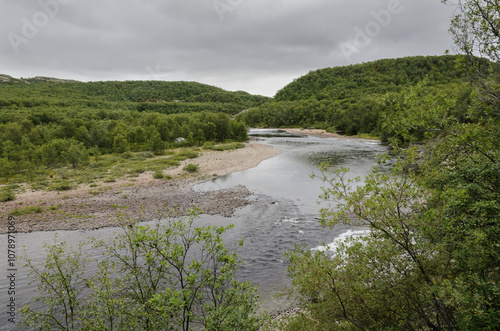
[259, 46]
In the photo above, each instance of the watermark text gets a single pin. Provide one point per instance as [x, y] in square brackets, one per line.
[364, 36]
[31, 27]
[11, 270]
[221, 7]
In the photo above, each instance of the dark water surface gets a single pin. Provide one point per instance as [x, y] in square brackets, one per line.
[283, 213]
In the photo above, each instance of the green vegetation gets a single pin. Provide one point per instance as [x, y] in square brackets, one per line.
[429, 262]
[158, 174]
[226, 147]
[347, 99]
[58, 134]
[431, 259]
[7, 194]
[26, 210]
[191, 167]
[142, 96]
[164, 277]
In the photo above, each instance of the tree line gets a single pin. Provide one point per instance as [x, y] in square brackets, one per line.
[47, 123]
[164, 97]
[49, 139]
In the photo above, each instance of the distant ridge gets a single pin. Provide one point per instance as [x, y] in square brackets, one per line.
[9, 79]
[166, 97]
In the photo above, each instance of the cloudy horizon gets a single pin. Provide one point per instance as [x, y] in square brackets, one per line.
[256, 46]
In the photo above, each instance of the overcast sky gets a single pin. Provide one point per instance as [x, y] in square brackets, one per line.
[257, 46]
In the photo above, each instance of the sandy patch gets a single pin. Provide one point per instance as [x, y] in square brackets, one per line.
[140, 197]
[226, 162]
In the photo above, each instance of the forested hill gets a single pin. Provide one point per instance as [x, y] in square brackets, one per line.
[348, 99]
[382, 76]
[159, 96]
[48, 123]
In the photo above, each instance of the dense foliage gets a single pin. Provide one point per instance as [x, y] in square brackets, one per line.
[347, 99]
[173, 276]
[47, 124]
[475, 31]
[431, 259]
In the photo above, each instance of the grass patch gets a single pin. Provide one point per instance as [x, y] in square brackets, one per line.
[26, 211]
[106, 168]
[228, 147]
[119, 207]
[192, 167]
[184, 155]
[145, 155]
[367, 136]
[163, 163]
[208, 145]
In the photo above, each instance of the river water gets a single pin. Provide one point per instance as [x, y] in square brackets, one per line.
[283, 213]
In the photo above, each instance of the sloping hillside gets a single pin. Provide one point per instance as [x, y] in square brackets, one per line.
[348, 99]
[158, 96]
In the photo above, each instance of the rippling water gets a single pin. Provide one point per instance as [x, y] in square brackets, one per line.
[283, 213]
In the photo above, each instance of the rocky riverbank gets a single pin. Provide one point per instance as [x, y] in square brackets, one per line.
[140, 198]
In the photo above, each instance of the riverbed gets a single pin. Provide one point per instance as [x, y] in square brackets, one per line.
[282, 213]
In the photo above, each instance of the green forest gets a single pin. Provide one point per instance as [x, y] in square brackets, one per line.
[348, 100]
[48, 123]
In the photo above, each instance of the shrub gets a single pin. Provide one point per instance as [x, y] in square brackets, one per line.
[127, 155]
[7, 194]
[62, 186]
[191, 167]
[158, 174]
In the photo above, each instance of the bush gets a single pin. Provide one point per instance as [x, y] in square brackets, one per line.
[158, 175]
[7, 194]
[127, 155]
[62, 186]
[191, 167]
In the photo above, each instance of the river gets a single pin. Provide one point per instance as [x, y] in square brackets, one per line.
[283, 213]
